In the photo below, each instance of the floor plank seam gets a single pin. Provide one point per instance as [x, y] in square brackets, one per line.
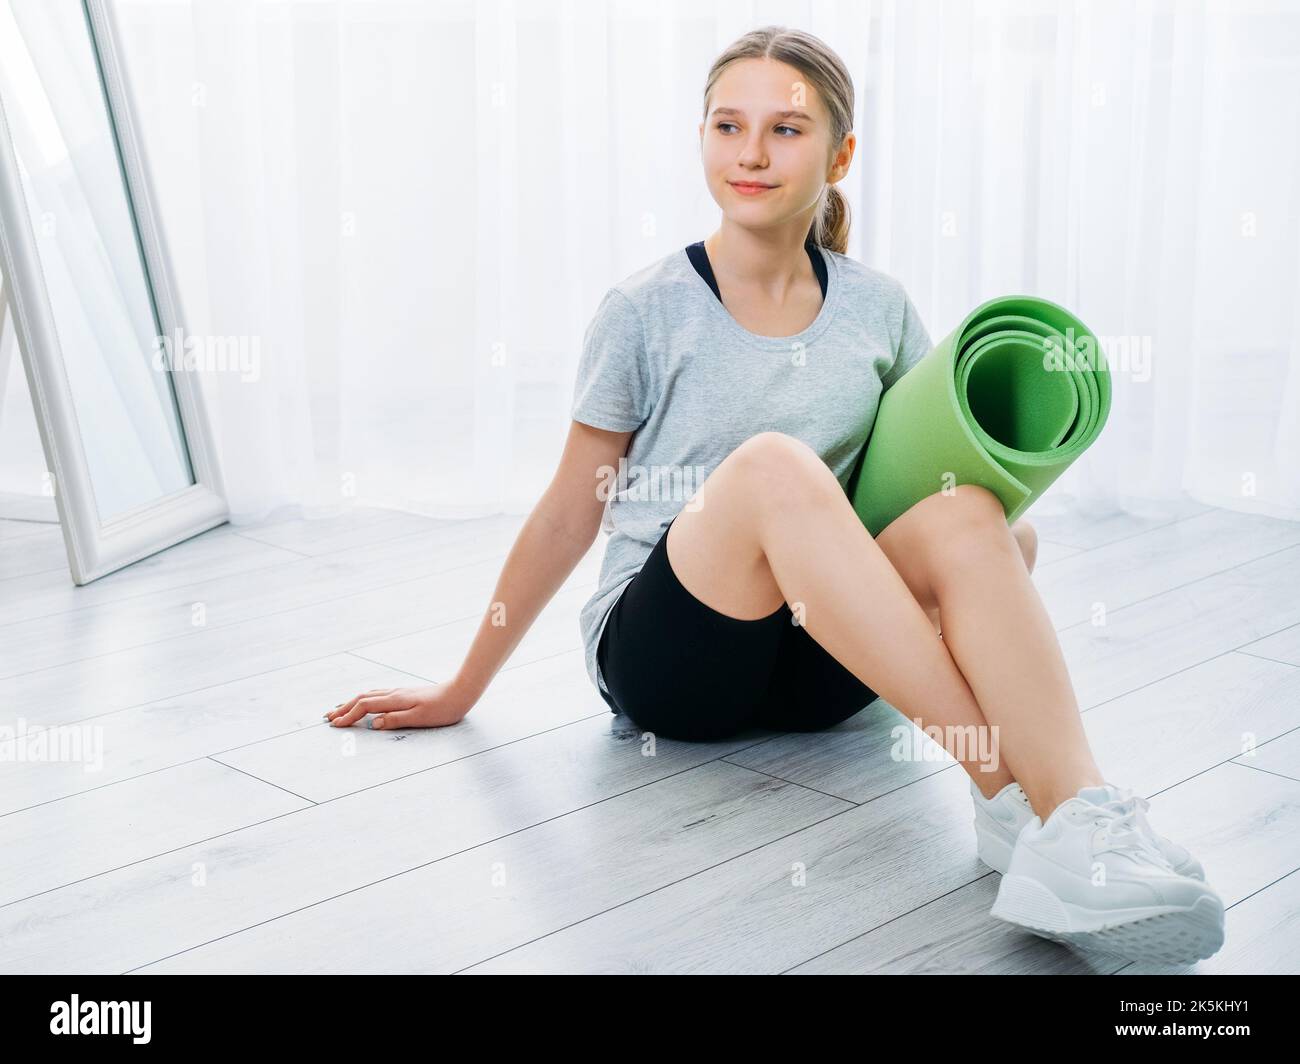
[1186, 668]
[893, 919]
[1131, 535]
[792, 783]
[267, 616]
[1265, 657]
[1187, 584]
[145, 594]
[245, 772]
[656, 890]
[1266, 771]
[416, 868]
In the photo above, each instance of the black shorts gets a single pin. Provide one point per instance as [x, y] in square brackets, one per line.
[683, 670]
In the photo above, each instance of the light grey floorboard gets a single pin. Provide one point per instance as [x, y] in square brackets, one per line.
[221, 601]
[214, 822]
[152, 909]
[1281, 646]
[1280, 755]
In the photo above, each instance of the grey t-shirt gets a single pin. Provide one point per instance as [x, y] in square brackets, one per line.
[663, 356]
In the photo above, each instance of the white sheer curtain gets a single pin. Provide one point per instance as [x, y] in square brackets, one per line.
[1138, 162]
[414, 208]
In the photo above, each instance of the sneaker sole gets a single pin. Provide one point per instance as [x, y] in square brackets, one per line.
[1163, 935]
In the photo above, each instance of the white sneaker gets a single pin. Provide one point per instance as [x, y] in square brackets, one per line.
[1093, 876]
[998, 821]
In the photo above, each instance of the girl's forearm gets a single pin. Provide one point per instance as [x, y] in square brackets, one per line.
[543, 555]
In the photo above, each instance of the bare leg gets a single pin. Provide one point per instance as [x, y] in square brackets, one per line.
[958, 553]
[770, 517]
[772, 524]
[1026, 540]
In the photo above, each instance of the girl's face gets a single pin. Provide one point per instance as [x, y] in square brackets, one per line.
[767, 126]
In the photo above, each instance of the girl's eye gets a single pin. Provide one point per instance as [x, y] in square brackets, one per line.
[790, 128]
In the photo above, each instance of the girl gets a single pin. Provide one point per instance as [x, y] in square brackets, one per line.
[727, 391]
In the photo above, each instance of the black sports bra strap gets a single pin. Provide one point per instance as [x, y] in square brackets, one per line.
[700, 260]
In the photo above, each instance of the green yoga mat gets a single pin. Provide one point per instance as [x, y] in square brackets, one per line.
[1008, 400]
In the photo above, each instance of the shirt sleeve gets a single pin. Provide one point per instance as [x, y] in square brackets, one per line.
[913, 345]
[612, 386]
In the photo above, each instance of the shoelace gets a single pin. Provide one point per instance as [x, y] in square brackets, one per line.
[1126, 826]
[1131, 809]
[1161, 842]
[1143, 805]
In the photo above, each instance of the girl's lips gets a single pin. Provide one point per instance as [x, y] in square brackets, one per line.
[750, 190]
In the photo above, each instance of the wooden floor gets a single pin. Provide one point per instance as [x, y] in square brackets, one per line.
[213, 821]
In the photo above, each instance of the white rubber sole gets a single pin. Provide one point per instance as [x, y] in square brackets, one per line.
[1169, 934]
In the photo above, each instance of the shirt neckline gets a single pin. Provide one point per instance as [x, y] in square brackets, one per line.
[700, 260]
[776, 343]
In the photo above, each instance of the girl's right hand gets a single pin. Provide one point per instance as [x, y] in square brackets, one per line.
[434, 706]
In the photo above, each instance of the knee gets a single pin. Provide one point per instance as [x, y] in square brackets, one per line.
[782, 469]
[969, 518]
[976, 505]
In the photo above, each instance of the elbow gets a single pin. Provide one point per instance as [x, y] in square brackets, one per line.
[575, 521]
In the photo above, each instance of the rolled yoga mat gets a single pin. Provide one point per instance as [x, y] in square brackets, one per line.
[1008, 400]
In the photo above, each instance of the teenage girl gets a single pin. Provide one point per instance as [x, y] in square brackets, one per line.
[723, 397]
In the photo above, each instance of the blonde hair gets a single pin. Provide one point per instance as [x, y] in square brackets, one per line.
[826, 72]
